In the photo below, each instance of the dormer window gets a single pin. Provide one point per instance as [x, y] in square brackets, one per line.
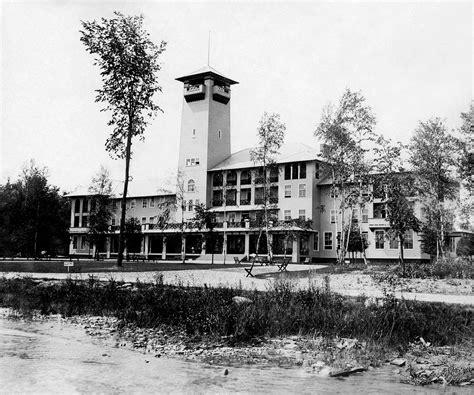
[219, 134]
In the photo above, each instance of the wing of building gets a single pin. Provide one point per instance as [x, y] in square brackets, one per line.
[229, 183]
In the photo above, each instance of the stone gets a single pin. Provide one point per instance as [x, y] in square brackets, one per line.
[398, 362]
[348, 372]
[241, 300]
[226, 372]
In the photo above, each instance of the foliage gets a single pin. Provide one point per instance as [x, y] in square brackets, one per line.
[356, 242]
[101, 212]
[34, 217]
[128, 61]
[346, 132]
[433, 153]
[437, 222]
[465, 247]
[211, 313]
[442, 268]
[466, 158]
[270, 135]
[133, 235]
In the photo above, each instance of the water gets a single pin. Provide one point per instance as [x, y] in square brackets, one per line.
[50, 357]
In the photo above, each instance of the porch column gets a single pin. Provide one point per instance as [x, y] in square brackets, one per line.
[163, 251]
[146, 242]
[108, 242]
[295, 256]
[247, 245]
[73, 205]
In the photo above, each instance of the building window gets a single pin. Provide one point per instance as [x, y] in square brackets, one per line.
[245, 196]
[77, 206]
[287, 215]
[144, 202]
[287, 172]
[287, 191]
[365, 215]
[231, 218]
[316, 170]
[196, 203]
[114, 205]
[150, 220]
[355, 216]
[191, 186]
[132, 203]
[217, 179]
[302, 170]
[393, 245]
[302, 190]
[328, 240]
[113, 221]
[380, 210]
[302, 215]
[190, 205]
[184, 205]
[316, 241]
[74, 242]
[294, 173]
[365, 236]
[143, 220]
[152, 202]
[219, 134]
[379, 239]
[408, 243]
[245, 177]
[192, 162]
[83, 243]
[194, 133]
[333, 216]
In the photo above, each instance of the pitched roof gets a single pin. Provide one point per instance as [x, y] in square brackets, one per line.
[135, 189]
[291, 152]
[206, 70]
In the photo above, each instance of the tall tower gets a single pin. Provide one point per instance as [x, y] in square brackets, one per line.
[205, 130]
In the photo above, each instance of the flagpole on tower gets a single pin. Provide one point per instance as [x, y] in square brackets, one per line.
[208, 47]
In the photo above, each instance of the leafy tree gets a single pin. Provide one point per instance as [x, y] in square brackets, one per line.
[133, 234]
[466, 168]
[433, 153]
[400, 213]
[128, 61]
[270, 135]
[101, 212]
[357, 243]
[346, 132]
[34, 216]
[465, 247]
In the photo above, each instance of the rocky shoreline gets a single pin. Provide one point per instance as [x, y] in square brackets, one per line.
[420, 364]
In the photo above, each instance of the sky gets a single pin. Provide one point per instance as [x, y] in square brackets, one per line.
[411, 61]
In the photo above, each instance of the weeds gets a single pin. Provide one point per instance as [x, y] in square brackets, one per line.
[211, 313]
[443, 268]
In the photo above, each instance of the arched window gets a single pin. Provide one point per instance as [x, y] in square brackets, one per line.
[217, 179]
[245, 177]
[191, 186]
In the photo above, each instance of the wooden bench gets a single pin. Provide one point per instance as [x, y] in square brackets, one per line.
[282, 266]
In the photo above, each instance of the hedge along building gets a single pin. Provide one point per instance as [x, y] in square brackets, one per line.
[229, 184]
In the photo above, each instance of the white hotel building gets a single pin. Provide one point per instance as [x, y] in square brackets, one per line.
[226, 182]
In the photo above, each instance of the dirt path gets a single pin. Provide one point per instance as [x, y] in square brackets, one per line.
[351, 284]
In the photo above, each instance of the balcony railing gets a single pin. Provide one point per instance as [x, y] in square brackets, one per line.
[194, 92]
[221, 94]
[217, 202]
[378, 223]
[244, 202]
[231, 202]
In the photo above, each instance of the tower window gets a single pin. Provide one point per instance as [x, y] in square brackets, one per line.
[194, 133]
[219, 134]
[191, 186]
[192, 162]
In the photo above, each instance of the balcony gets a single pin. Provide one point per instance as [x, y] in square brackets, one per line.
[244, 202]
[194, 92]
[221, 94]
[217, 202]
[378, 223]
